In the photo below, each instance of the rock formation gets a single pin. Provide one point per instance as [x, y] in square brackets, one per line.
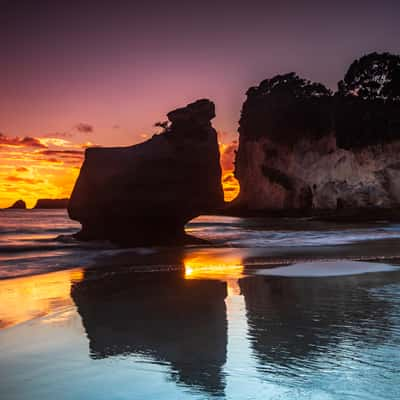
[302, 148]
[52, 203]
[146, 193]
[18, 205]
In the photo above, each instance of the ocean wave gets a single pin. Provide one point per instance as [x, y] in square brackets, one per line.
[237, 237]
[60, 243]
[35, 229]
[25, 248]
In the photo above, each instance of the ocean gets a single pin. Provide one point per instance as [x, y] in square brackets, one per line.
[38, 241]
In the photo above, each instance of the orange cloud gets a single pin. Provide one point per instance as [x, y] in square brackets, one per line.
[32, 168]
[26, 141]
[228, 154]
[64, 135]
[30, 181]
[84, 128]
[66, 157]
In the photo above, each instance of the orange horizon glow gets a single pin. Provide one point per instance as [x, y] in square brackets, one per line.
[230, 184]
[34, 168]
[47, 167]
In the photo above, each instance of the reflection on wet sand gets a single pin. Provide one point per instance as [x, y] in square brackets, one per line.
[208, 268]
[294, 321]
[24, 299]
[216, 264]
[171, 309]
[158, 315]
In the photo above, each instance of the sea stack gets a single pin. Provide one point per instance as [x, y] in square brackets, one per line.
[18, 205]
[146, 193]
[302, 148]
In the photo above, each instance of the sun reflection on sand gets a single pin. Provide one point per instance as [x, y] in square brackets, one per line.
[213, 264]
[24, 299]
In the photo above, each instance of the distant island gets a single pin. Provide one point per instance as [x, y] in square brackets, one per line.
[41, 204]
[51, 203]
[18, 205]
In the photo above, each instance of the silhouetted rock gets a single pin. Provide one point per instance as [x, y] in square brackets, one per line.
[302, 148]
[146, 193]
[52, 203]
[161, 316]
[18, 205]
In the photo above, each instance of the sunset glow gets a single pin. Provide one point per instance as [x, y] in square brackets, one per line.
[229, 182]
[47, 167]
[33, 168]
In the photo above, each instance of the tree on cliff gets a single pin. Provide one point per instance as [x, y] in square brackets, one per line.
[164, 124]
[373, 76]
[290, 84]
[288, 108]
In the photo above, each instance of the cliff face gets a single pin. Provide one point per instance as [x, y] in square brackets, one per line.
[145, 194]
[303, 151]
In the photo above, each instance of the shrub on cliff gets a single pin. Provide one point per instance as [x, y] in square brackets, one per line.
[373, 76]
[368, 102]
[291, 85]
[286, 108]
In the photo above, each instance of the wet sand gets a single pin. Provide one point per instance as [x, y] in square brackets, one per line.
[270, 310]
[211, 329]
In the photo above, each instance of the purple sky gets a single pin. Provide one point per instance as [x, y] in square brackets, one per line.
[120, 66]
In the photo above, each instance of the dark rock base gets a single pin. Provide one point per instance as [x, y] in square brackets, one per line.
[139, 233]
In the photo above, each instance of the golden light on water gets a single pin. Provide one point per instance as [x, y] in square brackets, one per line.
[49, 295]
[210, 271]
[215, 264]
[24, 299]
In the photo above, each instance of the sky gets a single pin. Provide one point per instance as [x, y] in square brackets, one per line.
[80, 73]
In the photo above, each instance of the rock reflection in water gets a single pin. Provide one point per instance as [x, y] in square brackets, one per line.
[295, 330]
[293, 322]
[160, 315]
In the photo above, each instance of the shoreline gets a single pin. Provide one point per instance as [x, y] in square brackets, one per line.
[43, 295]
[344, 215]
[164, 259]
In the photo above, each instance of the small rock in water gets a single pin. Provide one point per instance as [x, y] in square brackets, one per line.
[18, 205]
